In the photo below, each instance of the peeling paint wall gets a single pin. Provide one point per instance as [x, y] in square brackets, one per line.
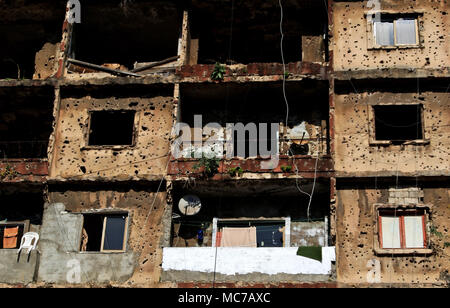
[350, 36]
[356, 225]
[73, 158]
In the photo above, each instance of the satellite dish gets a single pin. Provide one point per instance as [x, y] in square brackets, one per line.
[189, 205]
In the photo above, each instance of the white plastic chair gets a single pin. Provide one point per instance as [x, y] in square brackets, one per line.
[29, 241]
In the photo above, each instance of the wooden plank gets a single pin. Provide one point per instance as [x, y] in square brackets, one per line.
[148, 66]
[102, 68]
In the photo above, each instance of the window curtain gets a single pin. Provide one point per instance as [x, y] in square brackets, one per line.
[414, 232]
[384, 33]
[390, 229]
[406, 31]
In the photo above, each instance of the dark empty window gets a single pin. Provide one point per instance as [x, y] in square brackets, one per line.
[111, 128]
[106, 233]
[398, 122]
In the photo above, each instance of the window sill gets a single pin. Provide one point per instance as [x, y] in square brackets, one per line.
[403, 251]
[101, 252]
[108, 147]
[409, 142]
[396, 47]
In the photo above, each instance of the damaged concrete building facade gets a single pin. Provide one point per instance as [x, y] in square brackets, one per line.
[354, 98]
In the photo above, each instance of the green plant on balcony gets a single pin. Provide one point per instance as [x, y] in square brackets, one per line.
[235, 171]
[218, 72]
[286, 169]
[210, 165]
[8, 172]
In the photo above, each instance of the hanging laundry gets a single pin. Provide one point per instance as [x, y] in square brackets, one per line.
[238, 237]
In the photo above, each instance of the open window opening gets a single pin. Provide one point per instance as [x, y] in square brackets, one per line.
[398, 123]
[26, 117]
[402, 229]
[30, 35]
[396, 30]
[21, 212]
[247, 31]
[122, 34]
[252, 104]
[111, 128]
[277, 216]
[104, 232]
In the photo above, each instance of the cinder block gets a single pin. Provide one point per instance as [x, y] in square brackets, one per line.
[411, 200]
[402, 194]
[413, 194]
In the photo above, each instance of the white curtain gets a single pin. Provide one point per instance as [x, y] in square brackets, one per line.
[384, 33]
[390, 229]
[414, 232]
[406, 31]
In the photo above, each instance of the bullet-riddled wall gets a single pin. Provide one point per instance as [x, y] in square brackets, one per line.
[144, 158]
[352, 35]
[357, 151]
[357, 261]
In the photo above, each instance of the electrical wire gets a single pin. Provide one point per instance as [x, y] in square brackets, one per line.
[310, 195]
